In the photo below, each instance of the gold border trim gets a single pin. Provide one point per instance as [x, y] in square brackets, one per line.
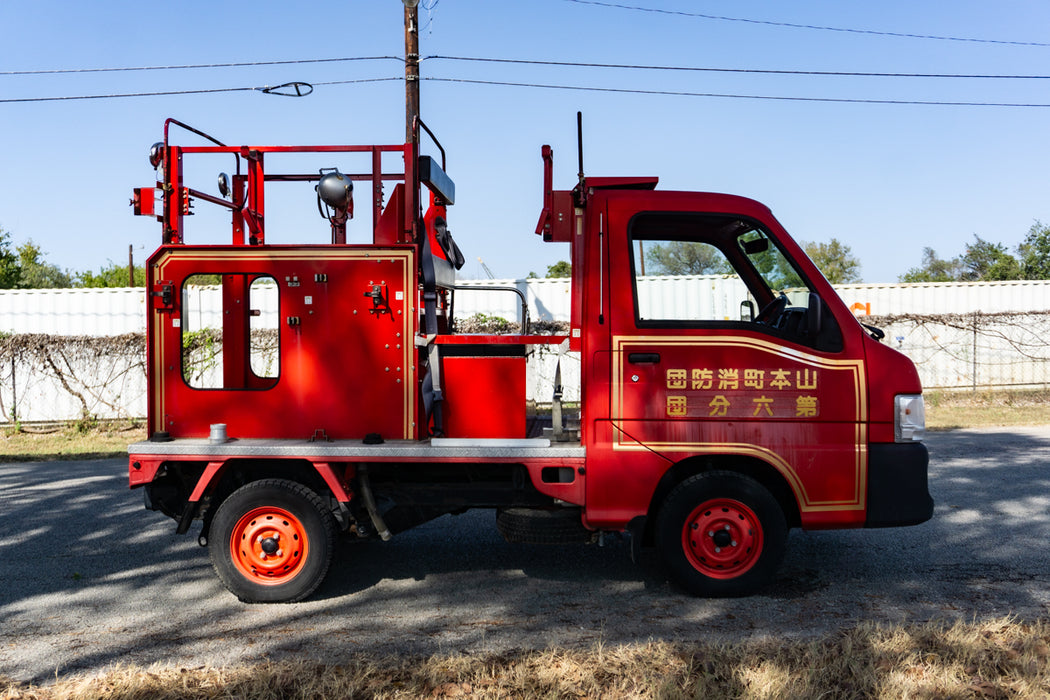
[774, 459]
[250, 254]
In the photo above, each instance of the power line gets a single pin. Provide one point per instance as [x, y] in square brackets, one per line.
[581, 88]
[242, 64]
[791, 25]
[850, 74]
[679, 93]
[577, 64]
[263, 88]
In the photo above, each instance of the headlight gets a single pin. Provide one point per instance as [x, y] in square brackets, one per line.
[909, 418]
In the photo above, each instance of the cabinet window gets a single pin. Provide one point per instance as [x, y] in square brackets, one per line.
[230, 333]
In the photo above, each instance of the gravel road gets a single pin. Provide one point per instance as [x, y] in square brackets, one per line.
[91, 579]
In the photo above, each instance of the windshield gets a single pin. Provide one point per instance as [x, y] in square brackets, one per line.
[701, 267]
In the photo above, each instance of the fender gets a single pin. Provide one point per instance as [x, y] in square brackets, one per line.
[144, 471]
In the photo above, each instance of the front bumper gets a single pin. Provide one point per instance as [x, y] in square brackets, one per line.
[898, 492]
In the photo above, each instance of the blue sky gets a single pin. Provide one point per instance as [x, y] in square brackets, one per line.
[885, 179]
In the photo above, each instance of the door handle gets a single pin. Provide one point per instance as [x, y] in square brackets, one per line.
[643, 358]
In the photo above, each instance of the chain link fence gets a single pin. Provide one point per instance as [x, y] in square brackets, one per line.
[973, 350]
[46, 378]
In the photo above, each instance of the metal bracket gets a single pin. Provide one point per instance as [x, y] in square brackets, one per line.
[379, 302]
[163, 295]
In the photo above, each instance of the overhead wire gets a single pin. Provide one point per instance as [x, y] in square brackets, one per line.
[792, 25]
[161, 93]
[525, 61]
[547, 86]
[238, 64]
[539, 62]
[761, 71]
[787, 98]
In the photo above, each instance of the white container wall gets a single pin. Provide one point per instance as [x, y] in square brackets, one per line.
[684, 296]
[117, 311]
[946, 297]
[73, 311]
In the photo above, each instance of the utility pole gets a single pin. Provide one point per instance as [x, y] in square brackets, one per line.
[411, 118]
[131, 266]
[411, 71]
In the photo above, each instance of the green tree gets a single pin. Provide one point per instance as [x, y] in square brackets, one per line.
[986, 261]
[35, 273]
[934, 269]
[562, 268]
[683, 258]
[112, 275]
[1034, 252]
[24, 267]
[9, 271]
[835, 259]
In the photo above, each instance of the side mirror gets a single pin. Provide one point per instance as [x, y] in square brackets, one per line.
[747, 311]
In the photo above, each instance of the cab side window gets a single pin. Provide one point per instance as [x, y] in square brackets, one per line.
[703, 270]
[678, 280]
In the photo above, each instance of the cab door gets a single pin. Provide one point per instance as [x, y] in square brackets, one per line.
[722, 349]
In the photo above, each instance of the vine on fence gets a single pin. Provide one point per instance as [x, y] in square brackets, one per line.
[497, 325]
[975, 349]
[106, 376]
[202, 355]
[92, 370]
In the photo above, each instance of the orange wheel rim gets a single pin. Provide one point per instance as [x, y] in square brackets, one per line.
[269, 545]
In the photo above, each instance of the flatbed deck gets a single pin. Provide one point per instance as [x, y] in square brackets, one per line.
[434, 449]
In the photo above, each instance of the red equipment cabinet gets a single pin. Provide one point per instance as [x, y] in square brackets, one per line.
[484, 380]
[333, 343]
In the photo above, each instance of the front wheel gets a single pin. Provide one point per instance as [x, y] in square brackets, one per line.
[272, 542]
[721, 534]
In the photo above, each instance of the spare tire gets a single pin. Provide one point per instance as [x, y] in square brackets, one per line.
[542, 526]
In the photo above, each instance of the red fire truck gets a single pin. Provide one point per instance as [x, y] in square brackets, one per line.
[332, 396]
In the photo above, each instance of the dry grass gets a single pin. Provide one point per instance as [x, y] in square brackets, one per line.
[947, 410]
[999, 659]
[76, 441]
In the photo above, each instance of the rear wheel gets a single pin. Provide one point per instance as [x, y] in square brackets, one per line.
[272, 542]
[721, 534]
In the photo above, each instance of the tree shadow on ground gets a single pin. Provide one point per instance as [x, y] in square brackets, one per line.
[92, 579]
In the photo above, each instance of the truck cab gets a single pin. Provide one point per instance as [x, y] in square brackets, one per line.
[727, 388]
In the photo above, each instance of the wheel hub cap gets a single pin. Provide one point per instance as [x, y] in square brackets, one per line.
[722, 538]
[269, 545]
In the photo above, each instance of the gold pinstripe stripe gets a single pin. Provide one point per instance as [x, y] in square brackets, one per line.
[250, 254]
[806, 504]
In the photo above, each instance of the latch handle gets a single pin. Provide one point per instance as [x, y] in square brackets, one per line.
[644, 358]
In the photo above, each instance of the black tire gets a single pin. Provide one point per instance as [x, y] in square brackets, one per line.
[272, 542]
[721, 534]
[537, 526]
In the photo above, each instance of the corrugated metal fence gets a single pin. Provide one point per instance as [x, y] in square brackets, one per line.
[961, 335]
